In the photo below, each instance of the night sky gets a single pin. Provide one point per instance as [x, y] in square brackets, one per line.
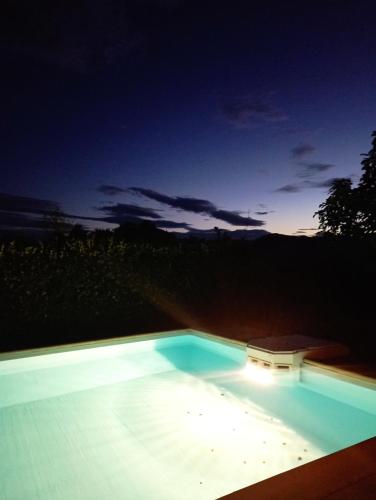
[190, 114]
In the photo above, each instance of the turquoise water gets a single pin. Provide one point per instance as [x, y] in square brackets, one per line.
[171, 418]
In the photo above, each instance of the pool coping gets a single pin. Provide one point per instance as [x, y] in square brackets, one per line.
[340, 373]
[53, 349]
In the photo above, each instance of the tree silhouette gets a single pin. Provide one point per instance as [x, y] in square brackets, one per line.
[337, 215]
[351, 211]
[142, 232]
[57, 224]
[367, 191]
[77, 232]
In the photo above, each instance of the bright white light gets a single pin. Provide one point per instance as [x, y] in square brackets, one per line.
[257, 374]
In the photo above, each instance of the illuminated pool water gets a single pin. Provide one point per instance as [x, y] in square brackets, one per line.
[169, 418]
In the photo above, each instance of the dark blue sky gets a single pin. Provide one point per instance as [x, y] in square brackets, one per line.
[247, 107]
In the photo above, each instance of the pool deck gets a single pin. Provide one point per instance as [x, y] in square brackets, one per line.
[345, 475]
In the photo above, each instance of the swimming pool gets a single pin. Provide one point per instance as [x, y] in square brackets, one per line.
[175, 416]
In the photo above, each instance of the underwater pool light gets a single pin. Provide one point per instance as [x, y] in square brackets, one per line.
[263, 376]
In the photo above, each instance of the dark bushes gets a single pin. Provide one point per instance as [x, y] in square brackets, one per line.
[97, 287]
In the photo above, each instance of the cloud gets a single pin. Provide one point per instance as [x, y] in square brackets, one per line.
[21, 213]
[123, 213]
[198, 206]
[288, 188]
[302, 150]
[125, 209]
[312, 169]
[132, 219]
[310, 231]
[235, 219]
[110, 190]
[12, 206]
[307, 184]
[24, 204]
[21, 221]
[321, 184]
[195, 205]
[245, 112]
[170, 224]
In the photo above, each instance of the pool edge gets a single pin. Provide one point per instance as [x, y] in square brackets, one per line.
[121, 339]
[341, 374]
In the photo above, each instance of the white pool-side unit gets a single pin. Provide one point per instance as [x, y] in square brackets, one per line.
[287, 352]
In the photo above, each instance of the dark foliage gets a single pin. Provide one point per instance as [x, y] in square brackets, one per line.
[142, 232]
[351, 211]
[100, 287]
[338, 214]
[367, 191]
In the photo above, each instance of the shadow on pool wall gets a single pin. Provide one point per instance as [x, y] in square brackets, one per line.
[192, 354]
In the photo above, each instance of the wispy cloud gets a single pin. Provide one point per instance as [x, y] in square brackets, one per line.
[199, 206]
[187, 203]
[249, 111]
[127, 209]
[288, 188]
[310, 231]
[327, 183]
[266, 212]
[312, 169]
[20, 211]
[170, 224]
[302, 150]
[110, 190]
[235, 219]
[24, 204]
[132, 219]
[21, 221]
[307, 184]
[23, 213]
